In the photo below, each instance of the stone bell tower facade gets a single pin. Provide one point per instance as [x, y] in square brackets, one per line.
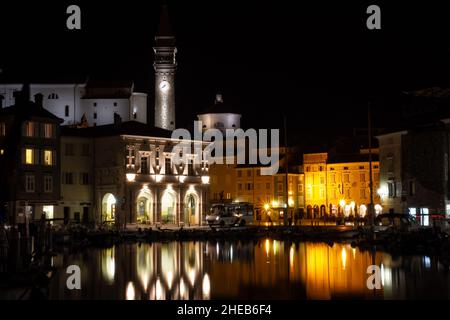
[165, 65]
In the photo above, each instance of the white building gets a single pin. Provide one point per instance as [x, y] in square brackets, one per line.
[96, 101]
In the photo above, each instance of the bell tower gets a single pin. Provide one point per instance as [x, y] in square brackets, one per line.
[165, 65]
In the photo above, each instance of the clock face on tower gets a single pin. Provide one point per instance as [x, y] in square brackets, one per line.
[164, 86]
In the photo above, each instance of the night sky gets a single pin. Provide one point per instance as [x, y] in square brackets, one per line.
[318, 64]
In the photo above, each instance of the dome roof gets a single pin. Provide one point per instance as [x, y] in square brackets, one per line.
[220, 107]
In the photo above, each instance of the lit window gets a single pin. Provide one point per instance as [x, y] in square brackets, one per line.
[2, 151]
[48, 130]
[48, 158]
[29, 156]
[29, 129]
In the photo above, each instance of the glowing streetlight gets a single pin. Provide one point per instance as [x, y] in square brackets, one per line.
[131, 177]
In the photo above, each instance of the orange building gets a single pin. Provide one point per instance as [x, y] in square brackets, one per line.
[340, 184]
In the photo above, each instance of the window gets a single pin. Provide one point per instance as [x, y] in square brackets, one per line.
[280, 187]
[29, 183]
[134, 115]
[95, 115]
[249, 173]
[240, 186]
[85, 150]
[376, 176]
[228, 195]
[322, 180]
[48, 157]
[239, 173]
[2, 129]
[67, 177]
[249, 186]
[391, 189]
[53, 96]
[346, 177]
[267, 185]
[66, 111]
[412, 188]
[29, 129]
[69, 149]
[144, 165]
[362, 177]
[48, 130]
[307, 169]
[48, 184]
[333, 178]
[168, 164]
[362, 193]
[84, 178]
[95, 104]
[115, 104]
[29, 156]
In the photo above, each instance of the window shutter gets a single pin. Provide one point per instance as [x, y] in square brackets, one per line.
[36, 155]
[23, 156]
[36, 129]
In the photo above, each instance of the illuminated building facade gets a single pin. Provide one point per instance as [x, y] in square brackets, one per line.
[95, 101]
[340, 184]
[135, 179]
[29, 160]
[390, 190]
[268, 193]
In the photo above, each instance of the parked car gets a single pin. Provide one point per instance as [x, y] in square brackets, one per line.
[396, 221]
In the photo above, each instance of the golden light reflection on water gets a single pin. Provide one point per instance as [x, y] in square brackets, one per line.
[263, 269]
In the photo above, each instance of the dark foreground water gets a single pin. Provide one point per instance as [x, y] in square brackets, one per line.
[265, 269]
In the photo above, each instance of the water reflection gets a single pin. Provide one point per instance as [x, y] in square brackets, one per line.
[259, 270]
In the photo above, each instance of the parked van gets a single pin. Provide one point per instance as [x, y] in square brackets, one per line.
[230, 214]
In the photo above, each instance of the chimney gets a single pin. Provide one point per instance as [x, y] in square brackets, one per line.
[17, 96]
[38, 98]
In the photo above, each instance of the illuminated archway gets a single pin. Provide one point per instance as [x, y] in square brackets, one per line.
[362, 210]
[108, 207]
[168, 207]
[191, 209]
[144, 206]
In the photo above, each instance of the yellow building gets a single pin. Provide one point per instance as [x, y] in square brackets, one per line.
[267, 193]
[340, 184]
[222, 183]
